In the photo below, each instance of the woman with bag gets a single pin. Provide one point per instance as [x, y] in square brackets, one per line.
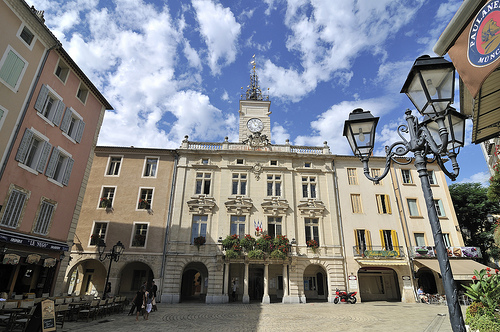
[149, 300]
[139, 301]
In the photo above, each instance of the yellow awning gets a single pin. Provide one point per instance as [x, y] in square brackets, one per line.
[381, 262]
[463, 269]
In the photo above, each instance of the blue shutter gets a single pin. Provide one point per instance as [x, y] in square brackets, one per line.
[194, 232]
[22, 151]
[58, 113]
[66, 120]
[43, 157]
[67, 171]
[79, 133]
[203, 230]
[51, 167]
[42, 96]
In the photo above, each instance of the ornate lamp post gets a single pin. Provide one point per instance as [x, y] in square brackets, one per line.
[430, 86]
[113, 255]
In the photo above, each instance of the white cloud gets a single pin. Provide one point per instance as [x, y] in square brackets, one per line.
[220, 30]
[481, 177]
[279, 134]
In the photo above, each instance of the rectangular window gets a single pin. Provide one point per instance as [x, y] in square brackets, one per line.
[238, 226]
[307, 164]
[33, 150]
[309, 186]
[114, 165]
[432, 177]
[49, 105]
[363, 240]
[239, 185]
[145, 199]
[273, 163]
[273, 185]
[419, 239]
[72, 124]
[45, 213]
[12, 68]
[352, 176]
[205, 161]
[310, 283]
[446, 239]
[203, 183]
[13, 210]
[389, 239]
[376, 173]
[26, 35]
[150, 167]
[82, 93]
[199, 227]
[312, 231]
[406, 175]
[383, 204]
[240, 161]
[439, 208]
[413, 207]
[106, 200]
[60, 166]
[274, 226]
[140, 233]
[98, 233]
[62, 71]
[356, 203]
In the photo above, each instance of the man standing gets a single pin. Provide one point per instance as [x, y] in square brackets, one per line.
[154, 288]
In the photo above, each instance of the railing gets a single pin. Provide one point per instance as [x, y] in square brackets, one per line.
[453, 252]
[378, 252]
[204, 146]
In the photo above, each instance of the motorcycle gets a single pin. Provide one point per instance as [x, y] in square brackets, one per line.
[343, 296]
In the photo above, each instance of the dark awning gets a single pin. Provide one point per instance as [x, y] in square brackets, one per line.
[463, 269]
[32, 241]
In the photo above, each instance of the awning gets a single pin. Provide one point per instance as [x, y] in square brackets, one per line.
[381, 262]
[463, 269]
[32, 241]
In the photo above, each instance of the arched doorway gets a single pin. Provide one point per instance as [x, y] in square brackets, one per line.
[132, 277]
[194, 282]
[427, 280]
[315, 284]
[87, 278]
[378, 284]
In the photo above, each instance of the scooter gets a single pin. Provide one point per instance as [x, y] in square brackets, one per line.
[343, 296]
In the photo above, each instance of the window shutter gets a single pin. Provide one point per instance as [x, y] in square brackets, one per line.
[13, 208]
[22, 151]
[12, 69]
[382, 239]
[58, 113]
[66, 120]
[67, 171]
[79, 133]
[368, 240]
[379, 204]
[388, 204]
[42, 96]
[44, 156]
[194, 232]
[51, 167]
[395, 242]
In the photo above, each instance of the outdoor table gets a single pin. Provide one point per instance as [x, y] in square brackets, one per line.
[12, 312]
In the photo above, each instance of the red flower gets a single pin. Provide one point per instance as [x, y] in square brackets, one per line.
[496, 271]
[488, 269]
[474, 278]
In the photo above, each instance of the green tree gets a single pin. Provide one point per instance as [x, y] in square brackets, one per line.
[472, 207]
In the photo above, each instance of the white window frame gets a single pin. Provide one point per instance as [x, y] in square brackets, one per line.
[150, 201]
[44, 217]
[406, 179]
[145, 167]
[107, 196]
[235, 220]
[57, 109]
[447, 240]
[438, 203]
[311, 186]
[21, 74]
[275, 184]
[3, 115]
[108, 165]
[275, 222]
[72, 125]
[312, 224]
[93, 229]
[416, 241]
[432, 177]
[18, 210]
[199, 220]
[33, 41]
[41, 156]
[65, 70]
[59, 176]
[240, 180]
[134, 233]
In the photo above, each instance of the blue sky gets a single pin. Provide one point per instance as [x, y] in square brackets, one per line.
[175, 68]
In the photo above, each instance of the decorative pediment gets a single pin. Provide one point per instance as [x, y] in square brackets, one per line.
[239, 205]
[275, 206]
[312, 208]
[201, 204]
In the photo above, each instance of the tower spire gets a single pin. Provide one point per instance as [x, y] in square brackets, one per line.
[253, 90]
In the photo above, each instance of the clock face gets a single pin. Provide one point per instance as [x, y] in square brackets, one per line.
[255, 125]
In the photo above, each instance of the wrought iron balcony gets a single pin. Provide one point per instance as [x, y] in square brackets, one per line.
[379, 252]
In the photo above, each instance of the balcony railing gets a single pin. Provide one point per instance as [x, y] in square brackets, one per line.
[378, 252]
[453, 252]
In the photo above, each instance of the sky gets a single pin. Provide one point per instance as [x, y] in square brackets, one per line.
[176, 68]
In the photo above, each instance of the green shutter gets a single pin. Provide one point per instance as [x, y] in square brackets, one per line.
[12, 69]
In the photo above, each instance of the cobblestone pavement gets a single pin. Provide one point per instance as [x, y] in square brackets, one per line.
[370, 316]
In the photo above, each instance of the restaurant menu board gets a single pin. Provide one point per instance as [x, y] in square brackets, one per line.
[48, 316]
[458, 252]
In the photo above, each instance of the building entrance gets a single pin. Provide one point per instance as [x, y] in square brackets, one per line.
[378, 284]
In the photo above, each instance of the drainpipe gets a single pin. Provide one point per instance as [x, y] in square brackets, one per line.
[21, 120]
[339, 216]
[169, 220]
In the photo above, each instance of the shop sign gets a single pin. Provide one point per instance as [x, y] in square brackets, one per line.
[48, 316]
[456, 252]
[484, 36]
[16, 239]
[11, 259]
[381, 253]
[49, 262]
[33, 259]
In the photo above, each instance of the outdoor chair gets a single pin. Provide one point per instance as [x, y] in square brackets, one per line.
[26, 304]
[62, 312]
[89, 310]
[21, 321]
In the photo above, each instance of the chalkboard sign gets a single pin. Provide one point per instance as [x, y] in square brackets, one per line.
[48, 316]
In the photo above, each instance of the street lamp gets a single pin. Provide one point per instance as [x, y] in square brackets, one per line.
[430, 86]
[113, 255]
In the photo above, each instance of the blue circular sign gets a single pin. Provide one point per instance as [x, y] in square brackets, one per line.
[484, 36]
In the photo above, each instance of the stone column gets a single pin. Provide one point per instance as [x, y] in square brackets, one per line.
[246, 298]
[266, 298]
[226, 282]
[285, 284]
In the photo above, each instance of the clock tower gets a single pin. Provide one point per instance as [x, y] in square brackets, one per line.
[255, 123]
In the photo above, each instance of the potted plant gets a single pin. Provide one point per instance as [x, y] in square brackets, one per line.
[143, 204]
[199, 241]
[248, 243]
[313, 244]
[264, 243]
[105, 202]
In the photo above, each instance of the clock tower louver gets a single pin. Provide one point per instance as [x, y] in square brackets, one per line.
[255, 123]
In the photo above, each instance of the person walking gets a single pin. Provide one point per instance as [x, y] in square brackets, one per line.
[139, 301]
[148, 297]
[154, 289]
